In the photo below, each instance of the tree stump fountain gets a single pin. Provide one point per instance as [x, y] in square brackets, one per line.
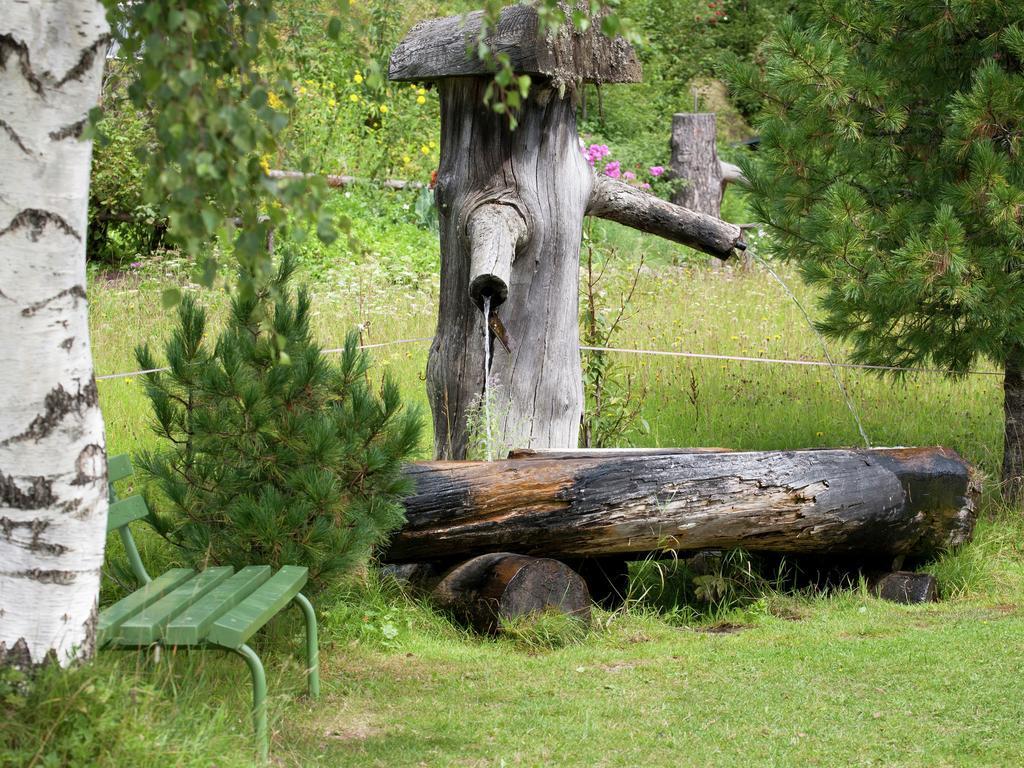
[511, 204]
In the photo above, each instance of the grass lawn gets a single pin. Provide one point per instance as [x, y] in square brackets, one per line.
[787, 680]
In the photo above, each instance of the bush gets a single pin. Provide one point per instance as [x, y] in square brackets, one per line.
[274, 454]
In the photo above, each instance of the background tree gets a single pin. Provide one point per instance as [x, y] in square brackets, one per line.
[53, 500]
[891, 171]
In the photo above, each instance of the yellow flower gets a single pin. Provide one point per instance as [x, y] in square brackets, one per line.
[332, 103]
[425, 149]
[421, 100]
[353, 98]
[819, 434]
[406, 159]
[383, 109]
[431, 144]
[357, 78]
[302, 90]
[274, 101]
[422, 91]
[129, 380]
[265, 163]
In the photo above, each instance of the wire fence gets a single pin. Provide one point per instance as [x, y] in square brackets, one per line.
[648, 352]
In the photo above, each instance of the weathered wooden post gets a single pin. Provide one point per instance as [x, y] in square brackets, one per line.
[511, 206]
[694, 158]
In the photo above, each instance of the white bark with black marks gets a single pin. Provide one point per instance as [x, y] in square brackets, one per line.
[53, 503]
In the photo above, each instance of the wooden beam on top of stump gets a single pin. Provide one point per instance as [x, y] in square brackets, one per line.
[511, 204]
[437, 49]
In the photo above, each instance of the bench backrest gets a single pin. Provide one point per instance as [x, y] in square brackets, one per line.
[124, 511]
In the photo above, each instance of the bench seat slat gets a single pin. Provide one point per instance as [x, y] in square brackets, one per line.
[190, 627]
[126, 511]
[118, 468]
[235, 627]
[111, 618]
[148, 625]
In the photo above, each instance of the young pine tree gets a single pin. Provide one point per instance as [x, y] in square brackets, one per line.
[273, 453]
[891, 170]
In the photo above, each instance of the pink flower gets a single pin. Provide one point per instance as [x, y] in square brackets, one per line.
[656, 170]
[612, 170]
[629, 175]
[645, 185]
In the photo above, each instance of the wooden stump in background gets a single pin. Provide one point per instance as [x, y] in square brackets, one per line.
[695, 159]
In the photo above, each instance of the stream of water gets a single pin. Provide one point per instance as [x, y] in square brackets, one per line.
[824, 349]
[486, 410]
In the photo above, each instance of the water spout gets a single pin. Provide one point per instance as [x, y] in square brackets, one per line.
[486, 297]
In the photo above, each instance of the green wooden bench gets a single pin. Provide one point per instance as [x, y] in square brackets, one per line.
[214, 608]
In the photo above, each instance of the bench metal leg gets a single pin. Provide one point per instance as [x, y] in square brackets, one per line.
[259, 700]
[312, 649]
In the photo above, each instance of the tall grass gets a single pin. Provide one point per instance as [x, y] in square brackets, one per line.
[690, 402]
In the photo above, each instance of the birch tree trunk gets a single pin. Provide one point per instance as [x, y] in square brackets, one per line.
[53, 504]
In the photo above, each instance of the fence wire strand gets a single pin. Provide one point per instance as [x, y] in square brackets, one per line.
[648, 352]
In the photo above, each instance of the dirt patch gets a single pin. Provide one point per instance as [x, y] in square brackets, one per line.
[336, 721]
[358, 731]
[723, 628]
[620, 666]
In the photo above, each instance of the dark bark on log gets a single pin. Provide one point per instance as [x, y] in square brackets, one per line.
[695, 159]
[883, 502]
[906, 587]
[618, 201]
[491, 589]
[527, 187]
[523, 454]
[441, 48]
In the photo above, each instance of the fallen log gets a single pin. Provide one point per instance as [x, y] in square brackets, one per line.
[914, 502]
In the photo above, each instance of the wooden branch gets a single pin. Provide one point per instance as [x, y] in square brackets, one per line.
[883, 502]
[442, 48]
[618, 201]
[732, 174]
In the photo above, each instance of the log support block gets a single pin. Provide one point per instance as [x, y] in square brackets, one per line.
[906, 587]
[486, 591]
